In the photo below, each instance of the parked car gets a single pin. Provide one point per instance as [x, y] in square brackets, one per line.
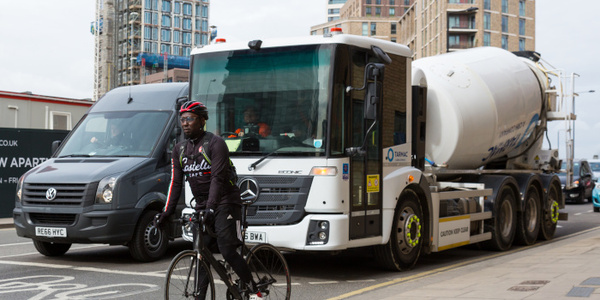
[583, 181]
[595, 165]
[596, 197]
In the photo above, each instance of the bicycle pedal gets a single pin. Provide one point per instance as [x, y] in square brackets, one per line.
[257, 296]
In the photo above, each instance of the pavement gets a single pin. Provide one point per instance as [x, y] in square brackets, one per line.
[567, 268]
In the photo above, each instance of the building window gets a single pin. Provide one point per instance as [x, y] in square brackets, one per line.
[505, 6]
[177, 8]
[460, 1]
[486, 21]
[392, 11]
[368, 11]
[148, 17]
[521, 44]
[365, 28]
[154, 18]
[148, 4]
[393, 28]
[522, 8]
[176, 37]
[205, 11]
[504, 24]
[373, 28]
[204, 39]
[196, 39]
[187, 38]
[177, 22]
[187, 24]
[487, 4]
[165, 49]
[505, 42]
[486, 39]
[392, 2]
[378, 2]
[154, 47]
[166, 6]
[155, 34]
[522, 26]
[378, 11]
[187, 51]
[333, 11]
[165, 35]
[176, 50]
[205, 25]
[166, 21]
[369, 2]
[147, 47]
[60, 120]
[187, 9]
[147, 33]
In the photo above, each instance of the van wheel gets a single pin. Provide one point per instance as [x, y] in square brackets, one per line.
[51, 249]
[528, 226]
[503, 224]
[149, 243]
[404, 246]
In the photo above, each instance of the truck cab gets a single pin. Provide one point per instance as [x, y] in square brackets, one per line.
[108, 179]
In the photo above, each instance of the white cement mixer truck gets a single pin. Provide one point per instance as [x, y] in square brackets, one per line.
[352, 144]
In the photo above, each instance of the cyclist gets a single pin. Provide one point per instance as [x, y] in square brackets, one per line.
[211, 186]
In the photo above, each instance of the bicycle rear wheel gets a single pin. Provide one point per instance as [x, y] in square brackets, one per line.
[181, 278]
[270, 272]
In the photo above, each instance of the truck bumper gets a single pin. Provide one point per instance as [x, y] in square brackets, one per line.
[295, 236]
[107, 227]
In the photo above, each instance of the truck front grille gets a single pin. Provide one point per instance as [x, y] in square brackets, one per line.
[281, 200]
[52, 219]
[66, 194]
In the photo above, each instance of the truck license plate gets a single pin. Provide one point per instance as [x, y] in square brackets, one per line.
[255, 237]
[51, 231]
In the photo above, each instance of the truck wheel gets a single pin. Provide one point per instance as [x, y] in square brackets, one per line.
[404, 246]
[528, 226]
[550, 213]
[148, 242]
[51, 249]
[504, 223]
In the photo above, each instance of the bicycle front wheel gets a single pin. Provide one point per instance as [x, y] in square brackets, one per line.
[270, 272]
[189, 278]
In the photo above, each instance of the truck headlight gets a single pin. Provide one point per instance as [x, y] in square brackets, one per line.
[318, 232]
[106, 188]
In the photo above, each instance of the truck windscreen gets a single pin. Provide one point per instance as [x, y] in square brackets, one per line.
[271, 100]
[116, 134]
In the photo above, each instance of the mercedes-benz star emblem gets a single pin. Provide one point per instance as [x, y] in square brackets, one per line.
[248, 189]
[51, 194]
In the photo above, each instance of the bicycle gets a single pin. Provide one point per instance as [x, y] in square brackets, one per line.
[189, 275]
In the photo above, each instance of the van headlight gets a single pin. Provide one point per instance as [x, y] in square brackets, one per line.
[20, 188]
[106, 189]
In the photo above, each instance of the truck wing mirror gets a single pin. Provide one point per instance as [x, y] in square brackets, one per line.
[374, 80]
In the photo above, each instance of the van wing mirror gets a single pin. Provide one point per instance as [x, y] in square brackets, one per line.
[55, 145]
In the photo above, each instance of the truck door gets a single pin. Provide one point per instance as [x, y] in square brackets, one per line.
[365, 169]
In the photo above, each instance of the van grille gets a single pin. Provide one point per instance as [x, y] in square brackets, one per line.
[66, 194]
[281, 200]
[52, 219]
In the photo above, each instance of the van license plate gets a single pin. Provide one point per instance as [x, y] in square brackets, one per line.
[255, 237]
[51, 231]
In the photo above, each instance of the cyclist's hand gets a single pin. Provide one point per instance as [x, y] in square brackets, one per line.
[209, 216]
[160, 220]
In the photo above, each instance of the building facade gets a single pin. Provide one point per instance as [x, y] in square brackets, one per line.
[126, 29]
[431, 27]
[333, 9]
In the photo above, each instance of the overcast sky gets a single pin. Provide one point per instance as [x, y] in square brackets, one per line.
[46, 46]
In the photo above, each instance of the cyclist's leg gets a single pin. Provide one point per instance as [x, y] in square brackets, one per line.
[228, 228]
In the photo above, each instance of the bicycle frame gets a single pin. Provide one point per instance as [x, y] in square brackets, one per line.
[205, 254]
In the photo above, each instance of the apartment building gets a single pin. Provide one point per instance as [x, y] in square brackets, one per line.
[126, 29]
[431, 27]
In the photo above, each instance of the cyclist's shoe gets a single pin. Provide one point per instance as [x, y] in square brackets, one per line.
[257, 296]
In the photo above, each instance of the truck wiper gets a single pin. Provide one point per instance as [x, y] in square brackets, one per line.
[75, 155]
[253, 165]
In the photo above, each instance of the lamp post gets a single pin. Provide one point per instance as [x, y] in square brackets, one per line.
[466, 10]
